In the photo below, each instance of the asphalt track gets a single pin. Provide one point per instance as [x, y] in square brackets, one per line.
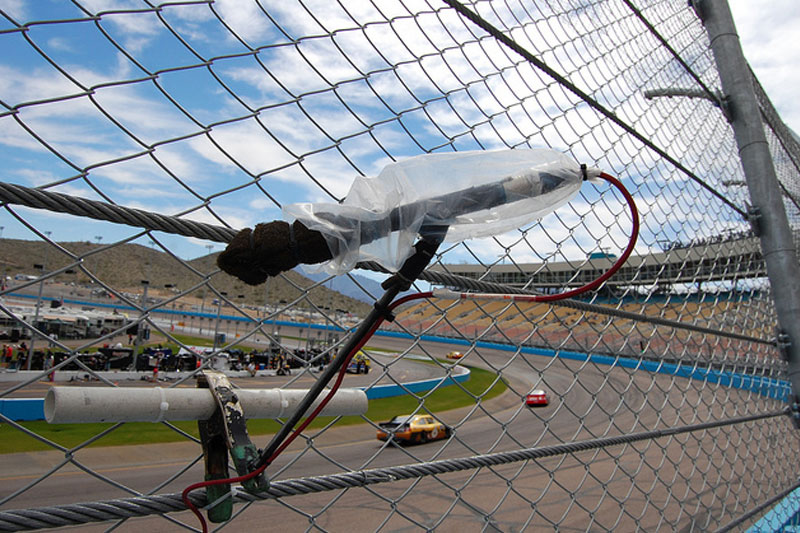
[671, 483]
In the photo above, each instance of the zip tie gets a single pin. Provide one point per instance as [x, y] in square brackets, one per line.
[163, 406]
[385, 311]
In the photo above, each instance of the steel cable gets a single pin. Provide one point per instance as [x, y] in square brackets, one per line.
[83, 513]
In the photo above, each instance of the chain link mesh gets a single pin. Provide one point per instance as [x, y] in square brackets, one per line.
[222, 112]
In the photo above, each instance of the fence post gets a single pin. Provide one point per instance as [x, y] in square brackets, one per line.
[768, 212]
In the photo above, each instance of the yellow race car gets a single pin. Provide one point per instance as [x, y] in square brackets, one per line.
[360, 363]
[413, 428]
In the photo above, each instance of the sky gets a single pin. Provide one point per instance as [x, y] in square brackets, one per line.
[768, 33]
[156, 156]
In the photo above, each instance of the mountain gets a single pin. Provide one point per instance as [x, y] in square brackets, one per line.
[124, 266]
[354, 286]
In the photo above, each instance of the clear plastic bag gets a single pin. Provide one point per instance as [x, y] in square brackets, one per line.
[465, 194]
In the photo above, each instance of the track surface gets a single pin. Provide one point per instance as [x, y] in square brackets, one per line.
[619, 488]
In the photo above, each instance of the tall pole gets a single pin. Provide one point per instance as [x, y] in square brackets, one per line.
[768, 212]
[2, 266]
[140, 327]
[209, 247]
[169, 287]
[38, 302]
[216, 324]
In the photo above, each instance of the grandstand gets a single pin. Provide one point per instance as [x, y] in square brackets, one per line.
[712, 260]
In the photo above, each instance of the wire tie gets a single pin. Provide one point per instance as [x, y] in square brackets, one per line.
[163, 406]
[384, 311]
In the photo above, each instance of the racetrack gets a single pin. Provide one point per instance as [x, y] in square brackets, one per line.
[570, 490]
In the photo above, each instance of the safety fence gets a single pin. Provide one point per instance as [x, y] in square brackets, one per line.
[138, 138]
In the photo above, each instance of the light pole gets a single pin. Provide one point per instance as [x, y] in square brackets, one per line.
[2, 266]
[98, 238]
[216, 324]
[209, 247]
[241, 303]
[40, 268]
[169, 287]
[140, 327]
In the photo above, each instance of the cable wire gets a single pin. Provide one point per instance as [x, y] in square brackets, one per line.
[573, 292]
[279, 444]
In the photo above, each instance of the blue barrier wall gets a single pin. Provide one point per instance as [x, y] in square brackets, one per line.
[772, 388]
[385, 391]
[22, 409]
[784, 517]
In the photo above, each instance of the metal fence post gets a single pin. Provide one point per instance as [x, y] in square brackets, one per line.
[768, 212]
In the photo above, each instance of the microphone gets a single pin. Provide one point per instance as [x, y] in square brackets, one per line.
[381, 217]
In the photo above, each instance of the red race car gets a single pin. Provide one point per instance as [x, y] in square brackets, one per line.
[537, 398]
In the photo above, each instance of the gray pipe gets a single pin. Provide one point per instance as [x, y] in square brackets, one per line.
[68, 405]
[772, 223]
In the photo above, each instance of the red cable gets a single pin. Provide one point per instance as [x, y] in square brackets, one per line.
[400, 301]
[620, 261]
[340, 377]
[580, 290]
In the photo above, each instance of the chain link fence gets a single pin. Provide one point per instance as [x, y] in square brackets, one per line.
[138, 137]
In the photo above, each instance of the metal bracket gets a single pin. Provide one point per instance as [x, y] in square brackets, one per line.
[717, 98]
[226, 432]
[783, 343]
[794, 412]
[754, 218]
[697, 5]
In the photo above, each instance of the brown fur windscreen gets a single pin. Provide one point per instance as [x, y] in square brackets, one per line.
[271, 248]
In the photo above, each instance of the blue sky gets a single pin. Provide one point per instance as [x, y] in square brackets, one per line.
[161, 157]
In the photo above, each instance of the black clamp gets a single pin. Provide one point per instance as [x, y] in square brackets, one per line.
[385, 312]
[223, 433]
[783, 342]
[794, 411]
[754, 218]
[424, 250]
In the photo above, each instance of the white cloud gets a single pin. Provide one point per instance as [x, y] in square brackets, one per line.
[768, 33]
[516, 101]
[245, 19]
[15, 9]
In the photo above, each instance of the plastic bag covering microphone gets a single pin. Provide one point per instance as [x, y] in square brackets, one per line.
[465, 195]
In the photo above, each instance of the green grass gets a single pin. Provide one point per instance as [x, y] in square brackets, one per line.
[481, 383]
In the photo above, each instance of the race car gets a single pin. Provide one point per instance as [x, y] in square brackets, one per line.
[454, 355]
[360, 363]
[412, 429]
[537, 398]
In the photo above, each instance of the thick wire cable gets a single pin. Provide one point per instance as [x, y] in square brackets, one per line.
[74, 514]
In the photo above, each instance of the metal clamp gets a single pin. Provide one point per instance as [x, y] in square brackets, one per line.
[783, 343]
[794, 412]
[226, 432]
[754, 217]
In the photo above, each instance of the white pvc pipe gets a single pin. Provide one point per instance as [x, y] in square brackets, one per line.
[68, 405]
